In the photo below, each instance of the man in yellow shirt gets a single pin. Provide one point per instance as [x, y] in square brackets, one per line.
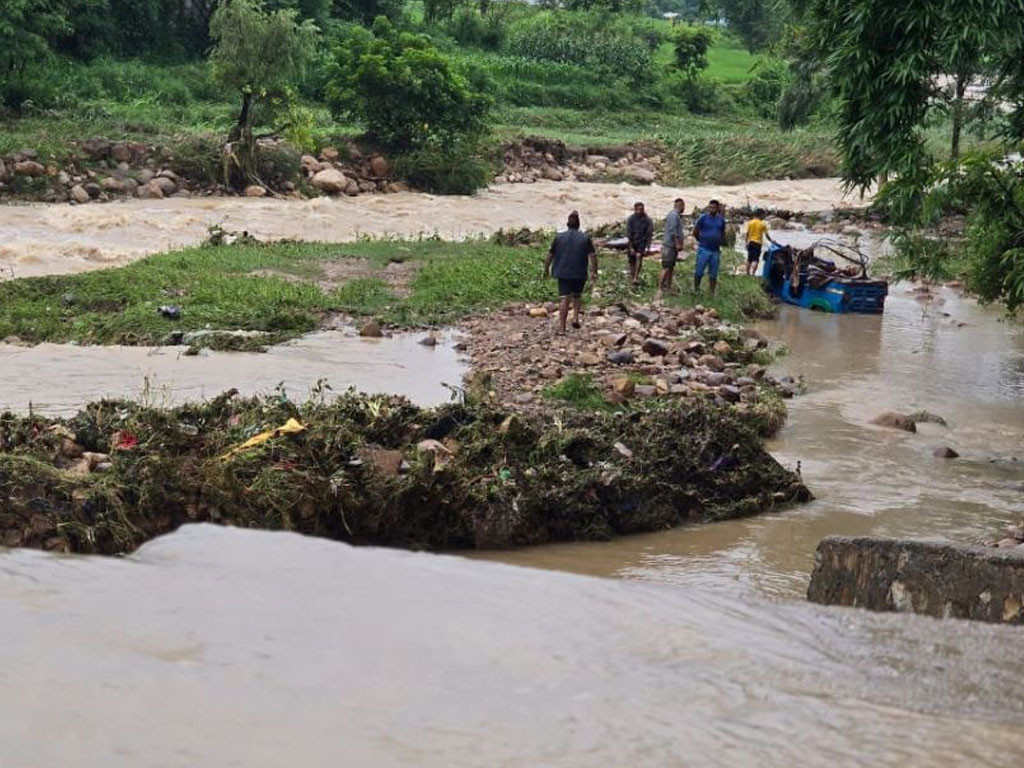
[756, 232]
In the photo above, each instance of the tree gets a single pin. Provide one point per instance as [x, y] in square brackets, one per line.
[260, 55]
[27, 30]
[882, 60]
[691, 50]
[365, 11]
[757, 22]
[409, 95]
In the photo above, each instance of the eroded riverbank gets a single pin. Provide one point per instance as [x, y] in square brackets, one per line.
[58, 239]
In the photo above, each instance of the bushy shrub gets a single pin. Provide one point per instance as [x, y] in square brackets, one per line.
[691, 50]
[450, 170]
[406, 91]
[469, 28]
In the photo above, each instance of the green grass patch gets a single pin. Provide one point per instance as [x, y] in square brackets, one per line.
[280, 289]
[579, 391]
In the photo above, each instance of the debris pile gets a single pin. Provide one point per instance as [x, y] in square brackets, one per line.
[535, 159]
[378, 470]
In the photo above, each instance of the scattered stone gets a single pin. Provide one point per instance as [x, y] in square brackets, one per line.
[170, 312]
[255, 190]
[371, 329]
[621, 357]
[729, 393]
[894, 420]
[722, 348]
[655, 348]
[330, 154]
[645, 390]
[151, 191]
[430, 340]
[623, 386]
[645, 316]
[538, 312]
[29, 168]
[79, 195]
[712, 362]
[525, 398]
[93, 189]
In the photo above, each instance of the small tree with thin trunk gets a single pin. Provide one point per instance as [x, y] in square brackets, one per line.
[260, 55]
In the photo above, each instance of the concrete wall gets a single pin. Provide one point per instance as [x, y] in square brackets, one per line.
[932, 578]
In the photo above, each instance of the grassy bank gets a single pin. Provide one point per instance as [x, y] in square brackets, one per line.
[286, 289]
[376, 470]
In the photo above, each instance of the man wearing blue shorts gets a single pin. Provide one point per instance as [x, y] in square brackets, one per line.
[709, 231]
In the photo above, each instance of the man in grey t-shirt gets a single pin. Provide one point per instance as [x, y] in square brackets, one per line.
[569, 254]
[671, 245]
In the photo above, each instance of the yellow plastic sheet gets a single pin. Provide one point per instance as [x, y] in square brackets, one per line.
[290, 427]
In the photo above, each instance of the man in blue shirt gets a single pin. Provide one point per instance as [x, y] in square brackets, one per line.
[570, 252]
[709, 231]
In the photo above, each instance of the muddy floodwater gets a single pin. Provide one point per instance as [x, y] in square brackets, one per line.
[51, 239]
[57, 379]
[221, 647]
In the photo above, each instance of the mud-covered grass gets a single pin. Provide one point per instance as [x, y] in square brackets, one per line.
[286, 289]
[377, 470]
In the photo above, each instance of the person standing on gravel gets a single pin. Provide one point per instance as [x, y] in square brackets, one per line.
[567, 261]
[671, 245]
[640, 233]
[709, 231]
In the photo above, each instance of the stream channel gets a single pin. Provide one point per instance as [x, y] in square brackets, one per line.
[225, 647]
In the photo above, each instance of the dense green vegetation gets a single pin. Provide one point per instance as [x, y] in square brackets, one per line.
[591, 73]
[286, 289]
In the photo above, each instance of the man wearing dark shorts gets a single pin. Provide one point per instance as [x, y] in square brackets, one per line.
[671, 245]
[640, 233]
[567, 261]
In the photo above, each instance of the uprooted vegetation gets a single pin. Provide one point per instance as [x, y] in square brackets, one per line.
[378, 470]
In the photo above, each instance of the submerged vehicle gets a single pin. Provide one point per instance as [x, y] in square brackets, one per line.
[801, 277]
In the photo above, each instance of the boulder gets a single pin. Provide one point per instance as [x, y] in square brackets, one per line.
[621, 357]
[151, 191]
[639, 174]
[112, 184]
[310, 164]
[145, 176]
[946, 452]
[894, 420]
[255, 190]
[331, 181]
[550, 173]
[166, 185]
[716, 379]
[93, 189]
[79, 195]
[129, 185]
[645, 316]
[371, 329]
[379, 166]
[330, 154]
[29, 168]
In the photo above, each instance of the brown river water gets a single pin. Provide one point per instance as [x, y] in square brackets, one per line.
[243, 648]
[49, 239]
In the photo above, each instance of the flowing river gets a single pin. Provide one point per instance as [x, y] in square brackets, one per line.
[224, 647]
[50, 239]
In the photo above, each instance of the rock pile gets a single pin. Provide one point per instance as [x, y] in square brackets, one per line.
[535, 159]
[628, 353]
[359, 174]
[108, 170]
[1013, 538]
